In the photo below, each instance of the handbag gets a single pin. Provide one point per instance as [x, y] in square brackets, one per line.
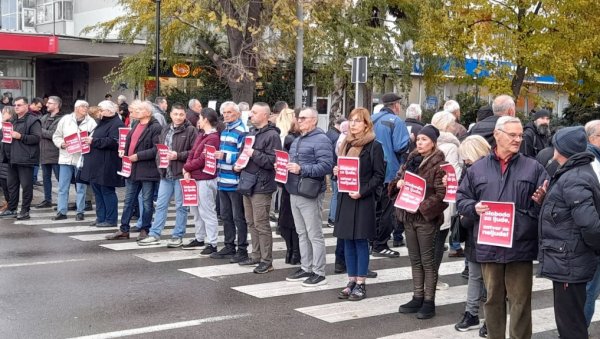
[457, 233]
[246, 183]
[309, 188]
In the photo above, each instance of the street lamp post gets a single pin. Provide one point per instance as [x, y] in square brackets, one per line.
[299, 58]
[157, 56]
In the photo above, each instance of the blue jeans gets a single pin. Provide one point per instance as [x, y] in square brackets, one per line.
[47, 170]
[167, 189]
[140, 203]
[133, 189]
[106, 204]
[357, 257]
[65, 174]
[36, 169]
[455, 246]
[592, 291]
[333, 203]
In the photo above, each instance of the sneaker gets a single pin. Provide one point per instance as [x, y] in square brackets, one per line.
[412, 306]
[193, 245]
[441, 286]
[239, 256]
[465, 273]
[263, 268]
[79, 217]
[359, 292]
[299, 275]
[483, 331]
[59, 216]
[314, 280]
[8, 214]
[208, 250]
[345, 293]
[224, 253]
[386, 252]
[427, 311]
[44, 204]
[23, 216]
[249, 262]
[88, 206]
[174, 243]
[459, 253]
[468, 322]
[151, 240]
[330, 223]
[339, 268]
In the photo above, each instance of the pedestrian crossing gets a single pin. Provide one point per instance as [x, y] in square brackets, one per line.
[317, 303]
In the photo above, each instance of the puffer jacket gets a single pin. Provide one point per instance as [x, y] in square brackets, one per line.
[182, 142]
[431, 210]
[262, 161]
[569, 226]
[314, 153]
[485, 181]
[49, 151]
[68, 126]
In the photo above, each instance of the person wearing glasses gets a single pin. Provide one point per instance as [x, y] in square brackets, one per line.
[505, 175]
[503, 105]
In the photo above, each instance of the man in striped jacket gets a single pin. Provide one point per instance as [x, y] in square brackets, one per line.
[230, 201]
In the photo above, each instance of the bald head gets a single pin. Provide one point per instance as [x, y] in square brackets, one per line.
[504, 105]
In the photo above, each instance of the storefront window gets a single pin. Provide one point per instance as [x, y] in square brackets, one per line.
[16, 77]
[16, 68]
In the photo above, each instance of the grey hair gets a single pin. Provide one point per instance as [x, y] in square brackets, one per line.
[502, 104]
[313, 112]
[121, 98]
[443, 120]
[506, 120]
[414, 111]
[146, 106]
[229, 103]
[592, 128]
[451, 106]
[244, 106]
[108, 105]
[57, 99]
[81, 103]
[192, 102]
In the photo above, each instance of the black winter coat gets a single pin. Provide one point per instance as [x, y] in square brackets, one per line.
[485, 181]
[262, 161]
[533, 142]
[182, 142]
[286, 219]
[25, 151]
[101, 165]
[48, 150]
[357, 217]
[485, 128]
[145, 168]
[569, 227]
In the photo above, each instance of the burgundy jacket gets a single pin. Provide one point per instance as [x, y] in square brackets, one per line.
[196, 158]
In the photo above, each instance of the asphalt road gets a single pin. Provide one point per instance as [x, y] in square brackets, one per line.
[57, 281]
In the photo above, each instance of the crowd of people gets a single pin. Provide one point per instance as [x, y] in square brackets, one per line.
[552, 181]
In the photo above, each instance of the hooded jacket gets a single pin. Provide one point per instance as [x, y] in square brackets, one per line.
[569, 227]
[262, 161]
[533, 142]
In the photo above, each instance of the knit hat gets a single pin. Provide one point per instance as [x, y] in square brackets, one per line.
[570, 140]
[388, 98]
[431, 132]
[484, 112]
[543, 113]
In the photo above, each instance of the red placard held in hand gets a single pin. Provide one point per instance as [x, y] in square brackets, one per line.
[85, 148]
[210, 161]
[412, 193]
[496, 226]
[189, 191]
[123, 131]
[73, 143]
[125, 167]
[244, 157]
[163, 153]
[7, 129]
[281, 161]
[451, 183]
[348, 174]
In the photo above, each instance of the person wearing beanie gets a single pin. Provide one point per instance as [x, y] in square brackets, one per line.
[569, 230]
[422, 226]
[536, 134]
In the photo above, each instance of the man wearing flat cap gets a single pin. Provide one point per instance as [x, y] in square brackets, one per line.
[393, 135]
[536, 134]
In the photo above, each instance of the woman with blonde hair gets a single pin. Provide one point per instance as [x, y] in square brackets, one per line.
[357, 224]
[284, 122]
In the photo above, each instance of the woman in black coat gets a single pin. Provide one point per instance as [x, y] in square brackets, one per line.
[100, 166]
[285, 222]
[357, 222]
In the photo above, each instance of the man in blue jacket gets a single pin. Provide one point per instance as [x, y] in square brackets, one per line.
[506, 176]
[393, 135]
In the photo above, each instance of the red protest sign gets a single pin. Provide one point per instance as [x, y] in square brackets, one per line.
[210, 160]
[85, 148]
[73, 143]
[496, 226]
[281, 161]
[189, 191]
[412, 193]
[7, 129]
[123, 131]
[244, 157]
[163, 153]
[125, 168]
[451, 183]
[348, 176]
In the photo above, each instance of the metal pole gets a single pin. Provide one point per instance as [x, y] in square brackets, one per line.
[299, 57]
[356, 91]
[157, 60]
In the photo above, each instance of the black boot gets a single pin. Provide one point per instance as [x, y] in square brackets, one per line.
[288, 256]
[427, 311]
[412, 306]
[295, 259]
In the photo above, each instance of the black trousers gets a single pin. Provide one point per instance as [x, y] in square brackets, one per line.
[20, 177]
[569, 300]
[4, 186]
[384, 221]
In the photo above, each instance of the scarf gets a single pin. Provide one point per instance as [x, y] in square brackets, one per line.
[353, 145]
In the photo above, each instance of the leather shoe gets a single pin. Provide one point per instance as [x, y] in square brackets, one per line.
[142, 235]
[118, 235]
[23, 216]
[79, 217]
[371, 274]
[59, 216]
[44, 204]
[88, 206]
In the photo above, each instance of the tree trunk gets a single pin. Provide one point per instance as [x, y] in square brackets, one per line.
[337, 99]
[517, 81]
[242, 91]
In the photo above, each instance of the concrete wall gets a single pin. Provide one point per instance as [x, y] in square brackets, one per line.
[98, 86]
